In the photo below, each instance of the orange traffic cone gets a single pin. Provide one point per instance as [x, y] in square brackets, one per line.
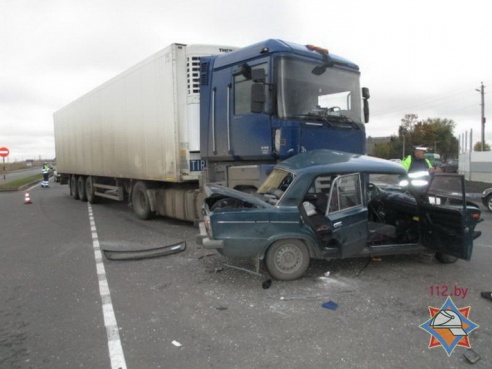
[27, 199]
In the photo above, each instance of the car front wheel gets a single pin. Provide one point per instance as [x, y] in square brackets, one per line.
[446, 258]
[287, 260]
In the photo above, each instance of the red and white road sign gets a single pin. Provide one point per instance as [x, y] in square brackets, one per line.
[4, 152]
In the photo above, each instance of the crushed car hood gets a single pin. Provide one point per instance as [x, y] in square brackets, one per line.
[214, 190]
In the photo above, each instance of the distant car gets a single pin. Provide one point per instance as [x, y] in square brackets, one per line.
[450, 166]
[487, 198]
[328, 204]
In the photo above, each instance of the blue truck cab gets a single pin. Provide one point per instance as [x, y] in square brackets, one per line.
[272, 100]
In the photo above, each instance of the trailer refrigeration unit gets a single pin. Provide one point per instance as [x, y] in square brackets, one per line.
[194, 114]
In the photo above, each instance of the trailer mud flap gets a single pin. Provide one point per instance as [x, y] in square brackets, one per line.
[144, 254]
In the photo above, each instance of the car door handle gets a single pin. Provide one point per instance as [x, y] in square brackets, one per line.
[337, 225]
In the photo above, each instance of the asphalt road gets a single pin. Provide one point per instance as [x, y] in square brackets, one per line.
[190, 310]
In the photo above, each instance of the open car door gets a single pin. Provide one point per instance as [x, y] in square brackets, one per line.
[446, 222]
[348, 215]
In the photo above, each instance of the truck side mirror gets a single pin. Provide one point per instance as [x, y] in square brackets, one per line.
[258, 97]
[242, 70]
[365, 96]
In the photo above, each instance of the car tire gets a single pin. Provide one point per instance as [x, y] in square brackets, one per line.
[445, 258]
[287, 259]
[488, 202]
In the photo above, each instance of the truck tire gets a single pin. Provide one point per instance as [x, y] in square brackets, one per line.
[81, 188]
[90, 192]
[73, 187]
[141, 202]
[287, 259]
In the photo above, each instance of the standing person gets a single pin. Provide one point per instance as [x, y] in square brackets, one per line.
[419, 168]
[417, 161]
[45, 169]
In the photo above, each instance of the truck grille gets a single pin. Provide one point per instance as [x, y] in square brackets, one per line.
[204, 74]
[193, 74]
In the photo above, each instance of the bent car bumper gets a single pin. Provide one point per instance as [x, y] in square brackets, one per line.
[204, 240]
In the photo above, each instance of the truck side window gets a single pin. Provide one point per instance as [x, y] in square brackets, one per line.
[242, 91]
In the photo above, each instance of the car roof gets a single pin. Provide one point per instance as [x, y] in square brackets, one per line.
[339, 162]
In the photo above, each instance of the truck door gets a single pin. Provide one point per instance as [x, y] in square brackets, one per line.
[444, 226]
[348, 215]
[250, 134]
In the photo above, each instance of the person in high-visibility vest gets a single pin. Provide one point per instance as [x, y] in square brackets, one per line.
[45, 169]
[418, 167]
[417, 161]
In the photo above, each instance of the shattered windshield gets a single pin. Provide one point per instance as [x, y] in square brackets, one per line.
[332, 97]
[278, 179]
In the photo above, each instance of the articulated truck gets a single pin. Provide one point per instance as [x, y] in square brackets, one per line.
[195, 114]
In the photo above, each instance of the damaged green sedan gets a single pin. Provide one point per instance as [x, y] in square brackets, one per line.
[326, 204]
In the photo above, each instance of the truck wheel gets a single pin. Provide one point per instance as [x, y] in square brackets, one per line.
[81, 188]
[141, 202]
[446, 258]
[73, 188]
[89, 190]
[287, 260]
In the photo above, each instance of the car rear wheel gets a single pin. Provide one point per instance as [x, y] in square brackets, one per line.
[446, 258]
[287, 260]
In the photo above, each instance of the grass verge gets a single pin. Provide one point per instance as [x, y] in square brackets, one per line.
[15, 184]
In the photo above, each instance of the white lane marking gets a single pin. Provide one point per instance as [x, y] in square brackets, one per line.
[116, 354]
[482, 245]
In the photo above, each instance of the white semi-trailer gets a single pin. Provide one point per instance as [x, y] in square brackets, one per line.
[137, 130]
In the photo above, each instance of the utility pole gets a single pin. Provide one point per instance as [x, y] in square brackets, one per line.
[482, 105]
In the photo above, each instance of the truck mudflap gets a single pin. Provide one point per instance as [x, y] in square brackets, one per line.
[145, 254]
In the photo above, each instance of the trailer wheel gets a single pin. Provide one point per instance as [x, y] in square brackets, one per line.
[141, 202]
[81, 188]
[73, 187]
[287, 259]
[89, 190]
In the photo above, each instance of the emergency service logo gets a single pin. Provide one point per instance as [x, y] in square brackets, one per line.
[449, 326]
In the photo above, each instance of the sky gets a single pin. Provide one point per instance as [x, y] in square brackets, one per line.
[417, 57]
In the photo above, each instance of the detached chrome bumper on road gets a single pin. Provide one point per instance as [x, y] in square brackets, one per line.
[203, 239]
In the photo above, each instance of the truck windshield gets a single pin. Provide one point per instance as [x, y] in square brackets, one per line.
[332, 97]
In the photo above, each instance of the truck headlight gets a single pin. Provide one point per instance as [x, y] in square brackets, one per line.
[278, 139]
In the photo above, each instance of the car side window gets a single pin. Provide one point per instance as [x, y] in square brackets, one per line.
[345, 193]
[318, 193]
